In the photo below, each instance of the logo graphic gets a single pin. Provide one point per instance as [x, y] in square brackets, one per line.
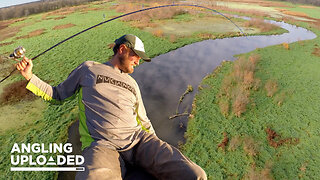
[38, 157]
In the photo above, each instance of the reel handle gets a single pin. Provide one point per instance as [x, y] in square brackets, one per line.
[18, 52]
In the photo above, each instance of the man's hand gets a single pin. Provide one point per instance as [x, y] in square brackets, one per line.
[25, 68]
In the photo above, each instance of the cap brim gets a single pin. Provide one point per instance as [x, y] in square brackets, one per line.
[142, 55]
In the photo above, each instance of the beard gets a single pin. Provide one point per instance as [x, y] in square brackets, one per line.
[125, 64]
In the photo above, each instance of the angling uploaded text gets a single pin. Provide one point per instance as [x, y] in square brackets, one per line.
[45, 157]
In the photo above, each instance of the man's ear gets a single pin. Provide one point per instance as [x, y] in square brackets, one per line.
[122, 49]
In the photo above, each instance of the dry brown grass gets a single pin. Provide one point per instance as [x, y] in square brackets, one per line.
[224, 106]
[244, 11]
[254, 58]
[224, 142]
[32, 34]
[308, 7]
[303, 169]
[259, 23]
[157, 32]
[256, 174]
[275, 140]
[316, 51]
[63, 26]
[227, 84]
[262, 3]
[173, 38]
[248, 78]
[235, 88]
[206, 36]
[250, 146]
[147, 16]
[271, 87]
[60, 17]
[129, 7]
[142, 24]
[240, 101]
[8, 31]
[256, 84]
[7, 43]
[280, 98]
[293, 13]
[286, 46]
[315, 24]
[67, 10]
[85, 10]
[235, 142]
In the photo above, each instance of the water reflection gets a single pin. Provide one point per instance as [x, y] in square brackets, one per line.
[166, 78]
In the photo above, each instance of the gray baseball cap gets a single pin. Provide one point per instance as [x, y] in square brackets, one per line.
[133, 42]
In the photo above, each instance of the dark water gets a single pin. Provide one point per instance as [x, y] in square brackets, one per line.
[166, 78]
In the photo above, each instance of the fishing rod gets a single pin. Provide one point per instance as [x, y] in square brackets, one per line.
[20, 50]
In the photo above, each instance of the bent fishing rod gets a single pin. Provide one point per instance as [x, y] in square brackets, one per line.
[19, 52]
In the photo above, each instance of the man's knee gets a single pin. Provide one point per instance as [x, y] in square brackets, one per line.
[193, 172]
[101, 163]
[197, 173]
[97, 174]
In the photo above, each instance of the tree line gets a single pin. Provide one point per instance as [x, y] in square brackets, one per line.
[22, 10]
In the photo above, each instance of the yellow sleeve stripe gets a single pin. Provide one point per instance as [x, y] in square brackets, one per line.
[140, 123]
[35, 90]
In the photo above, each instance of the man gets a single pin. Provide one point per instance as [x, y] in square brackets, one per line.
[114, 127]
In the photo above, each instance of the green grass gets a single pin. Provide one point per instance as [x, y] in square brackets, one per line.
[52, 123]
[312, 12]
[297, 73]
[54, 67]
[17, 116]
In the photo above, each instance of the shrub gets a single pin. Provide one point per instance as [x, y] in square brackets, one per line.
[264, 174]
[158, 33]
[316, 51]
[279, 98]
[235, 142]
[259, 23]
[271, 87]
[256, 84]
[173, 38]
[254, 58]
[224, 106]
[286, 46]
[250, 146]
[236, 86]
[248, 79]
[240, 101]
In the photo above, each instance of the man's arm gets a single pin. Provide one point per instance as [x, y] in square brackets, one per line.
[142, 114]
[40, 88]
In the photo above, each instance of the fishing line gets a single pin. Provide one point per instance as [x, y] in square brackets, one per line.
[127, 14]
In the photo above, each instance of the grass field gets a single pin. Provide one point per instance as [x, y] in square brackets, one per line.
[50, 123]
[231, 147]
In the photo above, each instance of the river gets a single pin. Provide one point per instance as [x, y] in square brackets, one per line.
[165, 79]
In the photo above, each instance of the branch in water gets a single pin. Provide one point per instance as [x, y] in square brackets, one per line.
[178, 115]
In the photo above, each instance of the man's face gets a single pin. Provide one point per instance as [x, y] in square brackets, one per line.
[128, 60]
